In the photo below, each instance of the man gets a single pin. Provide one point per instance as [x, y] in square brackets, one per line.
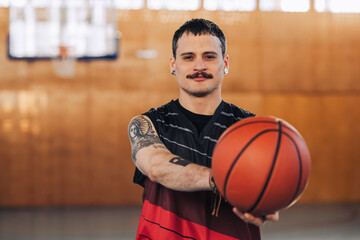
[172, 146]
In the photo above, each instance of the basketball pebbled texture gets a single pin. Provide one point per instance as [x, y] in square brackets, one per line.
[261, 165]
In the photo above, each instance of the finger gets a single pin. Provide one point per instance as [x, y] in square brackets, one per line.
[239, 213]
[273, 217]
[254, 220]
[247, 217]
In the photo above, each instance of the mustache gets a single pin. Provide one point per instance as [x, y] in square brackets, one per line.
[195, 75]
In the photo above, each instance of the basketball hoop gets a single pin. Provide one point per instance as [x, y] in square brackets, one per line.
[64, 63]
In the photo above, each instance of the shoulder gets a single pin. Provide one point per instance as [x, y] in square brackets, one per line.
[139, 127]
[158, 117]
[163, 113]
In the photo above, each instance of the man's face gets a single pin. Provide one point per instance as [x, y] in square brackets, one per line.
[196, 54]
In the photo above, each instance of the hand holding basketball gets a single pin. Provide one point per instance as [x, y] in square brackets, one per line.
[261, 165]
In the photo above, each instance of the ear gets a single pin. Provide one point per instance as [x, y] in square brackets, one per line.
[226, 62]
[172, 63]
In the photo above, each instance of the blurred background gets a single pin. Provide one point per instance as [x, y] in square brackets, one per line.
[73, 74]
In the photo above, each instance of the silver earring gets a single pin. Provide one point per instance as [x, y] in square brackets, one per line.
[173, 72]
[226, 71]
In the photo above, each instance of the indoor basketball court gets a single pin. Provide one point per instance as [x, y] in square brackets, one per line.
[73, 73]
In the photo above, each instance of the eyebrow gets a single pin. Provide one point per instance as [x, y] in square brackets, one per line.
[190, 53]
[211, 52]
[186, 53]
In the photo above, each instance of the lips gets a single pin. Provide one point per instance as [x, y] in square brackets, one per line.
[200, 78]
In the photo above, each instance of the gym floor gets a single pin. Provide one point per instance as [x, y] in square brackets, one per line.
[302, 221]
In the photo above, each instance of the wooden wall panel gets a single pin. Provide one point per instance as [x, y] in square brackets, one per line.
[63, 142]
[329, 125]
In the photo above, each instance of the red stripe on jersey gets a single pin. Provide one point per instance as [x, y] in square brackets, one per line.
[157, 223]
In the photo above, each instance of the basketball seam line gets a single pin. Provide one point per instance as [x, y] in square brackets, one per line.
[230, 131]
[262, 121]
[239, 155]
[271, 170]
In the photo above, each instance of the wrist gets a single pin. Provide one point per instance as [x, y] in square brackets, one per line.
[212, 183]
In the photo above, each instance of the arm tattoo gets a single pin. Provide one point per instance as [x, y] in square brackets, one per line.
[142, 135]
[179, 161]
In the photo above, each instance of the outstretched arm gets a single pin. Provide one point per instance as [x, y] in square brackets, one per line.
[154, 160]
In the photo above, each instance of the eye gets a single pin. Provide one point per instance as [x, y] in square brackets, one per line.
[210, 57]
[187, 57]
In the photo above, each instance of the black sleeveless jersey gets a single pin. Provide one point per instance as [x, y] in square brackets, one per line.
[169, 214]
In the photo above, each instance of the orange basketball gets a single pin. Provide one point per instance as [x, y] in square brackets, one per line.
[261, 165]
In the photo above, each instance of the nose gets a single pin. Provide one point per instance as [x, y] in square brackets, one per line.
[199, 65]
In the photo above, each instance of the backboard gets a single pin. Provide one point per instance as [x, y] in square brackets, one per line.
[39, 29]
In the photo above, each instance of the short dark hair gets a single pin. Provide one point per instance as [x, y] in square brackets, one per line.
[199, 26]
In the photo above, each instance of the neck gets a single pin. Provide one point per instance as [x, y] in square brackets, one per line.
[201, 105]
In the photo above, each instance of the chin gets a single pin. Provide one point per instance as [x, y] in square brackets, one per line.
[198, 94]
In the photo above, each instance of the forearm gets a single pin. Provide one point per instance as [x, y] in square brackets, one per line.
[176, 173]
